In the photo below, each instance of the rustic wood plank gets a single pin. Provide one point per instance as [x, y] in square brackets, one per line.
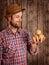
[40, 26]
[32, 25]
[46, 26]
[32, 16]
[24, 17]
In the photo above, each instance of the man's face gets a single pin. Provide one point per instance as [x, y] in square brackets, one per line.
[16, 20]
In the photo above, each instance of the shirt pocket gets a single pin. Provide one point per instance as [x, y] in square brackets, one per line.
[12, 47]
[22, 45]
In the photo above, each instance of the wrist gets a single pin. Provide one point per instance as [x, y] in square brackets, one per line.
[33, 47]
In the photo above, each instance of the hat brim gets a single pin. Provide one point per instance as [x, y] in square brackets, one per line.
[15, 12]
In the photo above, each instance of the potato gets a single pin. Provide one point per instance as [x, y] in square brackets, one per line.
[38, 32]
[41, 37]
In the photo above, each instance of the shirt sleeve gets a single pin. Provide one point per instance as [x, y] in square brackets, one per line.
[35, 52]
[0, 48]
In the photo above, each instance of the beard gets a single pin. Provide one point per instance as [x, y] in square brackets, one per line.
[14, 25]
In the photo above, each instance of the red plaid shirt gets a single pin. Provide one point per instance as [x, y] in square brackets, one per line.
[13, 47]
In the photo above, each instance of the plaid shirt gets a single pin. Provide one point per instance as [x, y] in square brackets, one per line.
[13, 47]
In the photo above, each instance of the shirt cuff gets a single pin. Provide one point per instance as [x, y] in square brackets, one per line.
[36, 51]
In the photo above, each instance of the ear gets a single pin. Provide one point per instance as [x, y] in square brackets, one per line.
[9, 18]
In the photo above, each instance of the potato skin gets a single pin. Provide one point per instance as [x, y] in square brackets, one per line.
[38, 34]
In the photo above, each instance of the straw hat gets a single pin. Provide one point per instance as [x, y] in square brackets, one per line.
[12, 9]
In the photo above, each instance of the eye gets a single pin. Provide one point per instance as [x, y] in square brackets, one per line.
[17, 16]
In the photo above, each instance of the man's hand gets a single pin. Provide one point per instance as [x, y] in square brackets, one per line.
[38, 37]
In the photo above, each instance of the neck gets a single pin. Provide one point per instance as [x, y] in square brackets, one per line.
[14, 30]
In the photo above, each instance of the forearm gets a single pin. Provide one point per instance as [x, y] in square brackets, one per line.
[33, 47]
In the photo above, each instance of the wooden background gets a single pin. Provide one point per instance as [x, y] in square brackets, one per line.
[36, 16]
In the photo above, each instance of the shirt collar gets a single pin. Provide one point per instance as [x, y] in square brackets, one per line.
[10, 31]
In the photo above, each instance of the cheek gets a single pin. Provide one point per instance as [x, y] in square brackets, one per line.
[17, 20]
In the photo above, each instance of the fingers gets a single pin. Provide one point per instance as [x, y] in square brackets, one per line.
[38, 37]
[35, 39]
[41, 38]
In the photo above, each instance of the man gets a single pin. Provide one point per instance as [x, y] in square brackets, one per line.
[14, 41]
